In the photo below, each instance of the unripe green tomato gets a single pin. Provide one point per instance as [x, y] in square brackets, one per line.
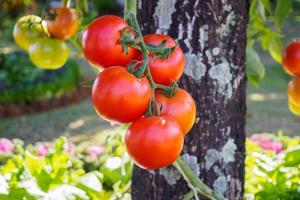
[47, 53]
[28, 29]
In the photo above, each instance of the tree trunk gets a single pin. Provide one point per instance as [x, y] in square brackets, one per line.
[213, 37]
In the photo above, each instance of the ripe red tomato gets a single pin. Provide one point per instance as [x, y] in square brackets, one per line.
[154, 142]
[65, 23]
[181, 106]
[293, 91]
[165, 71]
[119, 96]
[291, 58]
[101, 42]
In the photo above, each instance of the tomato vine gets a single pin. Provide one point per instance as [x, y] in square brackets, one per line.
[195, 184]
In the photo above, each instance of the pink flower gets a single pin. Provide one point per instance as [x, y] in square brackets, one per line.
[71, 149]
[43, 149]
[267, 143]
[6, 146]
[271, 146]
[257, 138]
[95, 150]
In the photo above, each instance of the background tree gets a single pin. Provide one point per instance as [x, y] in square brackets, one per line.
[213, 37]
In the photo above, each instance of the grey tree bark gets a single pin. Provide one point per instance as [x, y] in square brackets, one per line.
[212, 34]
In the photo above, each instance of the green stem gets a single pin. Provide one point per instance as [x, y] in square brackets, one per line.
[196, 185]
[66, 3]
[130, 6]
[132, 21]
[77, 44]
[44, 8]
[82, 5]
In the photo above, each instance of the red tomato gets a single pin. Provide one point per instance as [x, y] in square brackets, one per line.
[65, 24]
[181, 106]
[291, 58]
[101, 42]
[165, 71]
[119, 96]
[154, 142]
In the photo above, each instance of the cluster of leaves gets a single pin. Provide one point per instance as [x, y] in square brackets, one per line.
[273, 176]
[266, 20]
[9, 10]
[21, 81]
[78, 175]
[61, 175]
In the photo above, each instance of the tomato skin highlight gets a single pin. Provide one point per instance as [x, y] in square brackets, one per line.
[154, 142]
[101, 42]
[47, 53]
[165, 71]
[65, 24]
[181, 106]
[27, 30]
[291, 59]
[119, 96]
[293, 91]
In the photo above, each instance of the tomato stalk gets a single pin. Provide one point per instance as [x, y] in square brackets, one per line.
[43, 10]
[82, 5]
[133, 23]
[66, 3]
[196, 185]
[145, 69]
[130, 6]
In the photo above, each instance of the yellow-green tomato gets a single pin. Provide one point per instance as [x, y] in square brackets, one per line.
[47, 53]
[28, 29]
[295, 109]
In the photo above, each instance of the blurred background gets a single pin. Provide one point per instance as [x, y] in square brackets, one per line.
[39, 106]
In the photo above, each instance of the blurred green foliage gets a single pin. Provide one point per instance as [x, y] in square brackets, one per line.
[272, 176]
[25, 175]
[105, 5]
[21, 81]
[60, 173]
[9, 11]
[266, 20]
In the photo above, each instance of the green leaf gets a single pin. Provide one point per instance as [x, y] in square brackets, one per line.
[91, 182]
[261, 11]
[67, 192]
[267, 5]
[292, 156]
[254, 66]
[283, 8]
[275, 48]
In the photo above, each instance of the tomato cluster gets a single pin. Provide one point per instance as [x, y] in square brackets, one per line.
[291, 64]
[125, 91]
[44, 39]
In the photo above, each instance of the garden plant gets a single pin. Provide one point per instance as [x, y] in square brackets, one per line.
[174, 78]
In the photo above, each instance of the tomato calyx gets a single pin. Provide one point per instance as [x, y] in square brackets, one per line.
[133, 66]
[160, 51]
[127, 40]
[31, 23]
[51, 15]
[168, 91]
